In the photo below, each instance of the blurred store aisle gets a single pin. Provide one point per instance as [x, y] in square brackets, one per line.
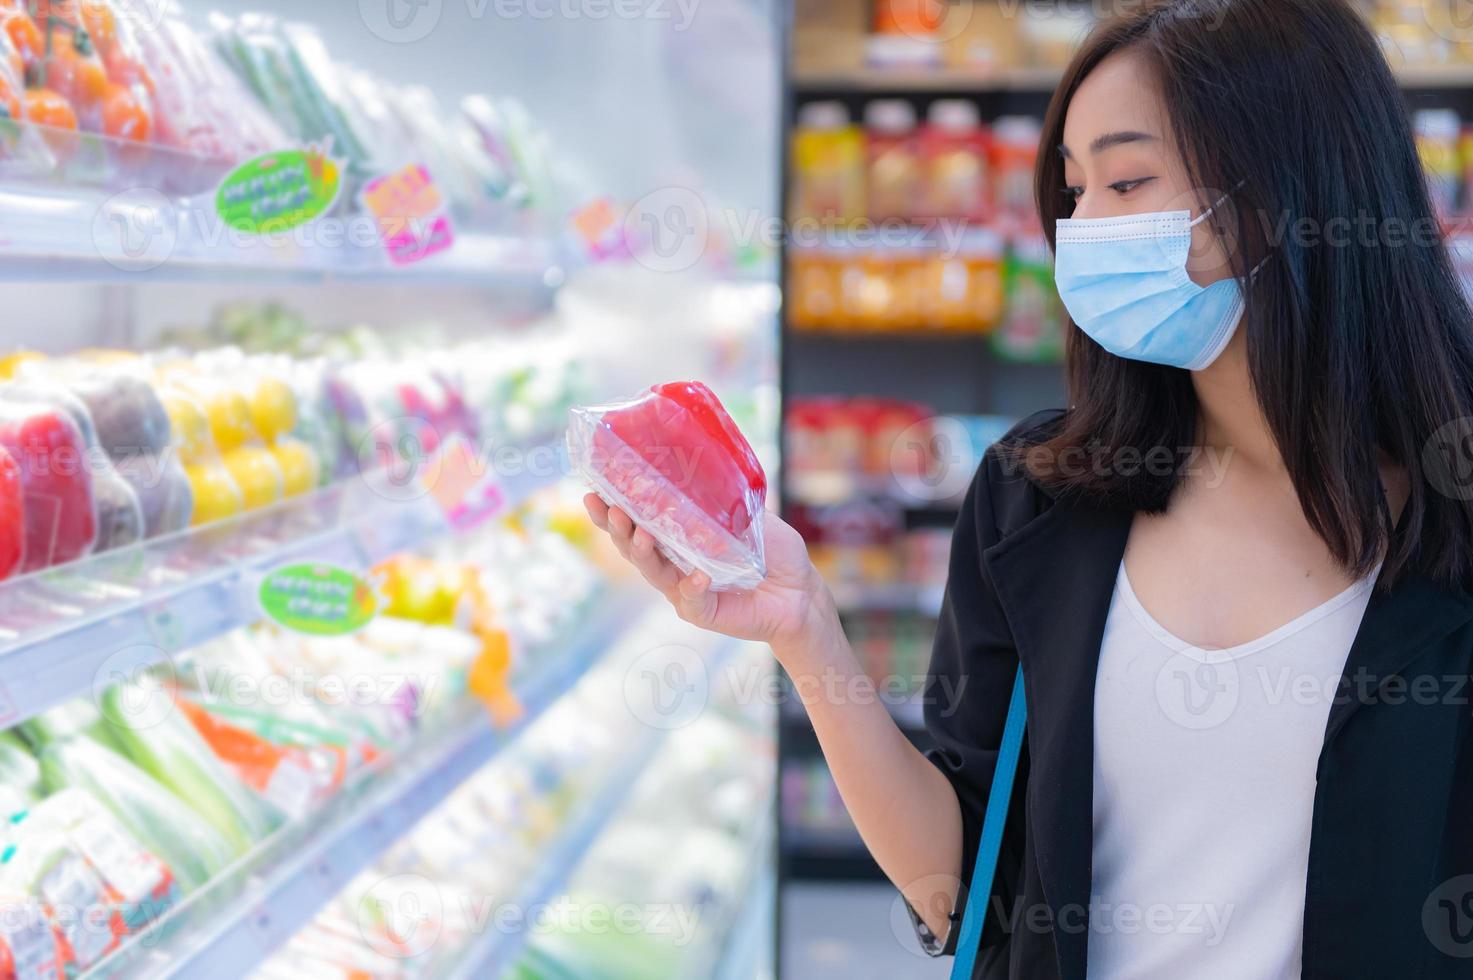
[850, 931]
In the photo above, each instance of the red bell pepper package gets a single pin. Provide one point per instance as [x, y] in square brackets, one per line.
[675, 462]
[50, 453]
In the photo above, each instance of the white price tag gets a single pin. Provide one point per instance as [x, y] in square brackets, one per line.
[32, 944]
[120, 860]
[292, 788]
[80, 906]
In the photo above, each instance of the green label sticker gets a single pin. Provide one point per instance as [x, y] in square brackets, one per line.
[279, 191]
[319, 600]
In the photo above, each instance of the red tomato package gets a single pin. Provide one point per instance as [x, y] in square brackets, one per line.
[674, 461]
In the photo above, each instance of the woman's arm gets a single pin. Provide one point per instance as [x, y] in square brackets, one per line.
[905, 808]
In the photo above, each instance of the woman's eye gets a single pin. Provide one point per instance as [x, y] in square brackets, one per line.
[1073, 193]
[1126, 186]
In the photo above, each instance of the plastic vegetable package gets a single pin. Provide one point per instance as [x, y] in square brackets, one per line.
[119, 515]
[201, 106]
[48, 451]
[674, 461]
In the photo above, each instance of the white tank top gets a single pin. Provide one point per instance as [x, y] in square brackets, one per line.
[1204, 781]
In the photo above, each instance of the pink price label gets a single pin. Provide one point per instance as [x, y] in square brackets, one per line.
[411, 215]
[465, 485]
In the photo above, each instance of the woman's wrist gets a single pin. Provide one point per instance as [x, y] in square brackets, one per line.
[814, 639]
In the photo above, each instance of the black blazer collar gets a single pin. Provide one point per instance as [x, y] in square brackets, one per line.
[1055, 578]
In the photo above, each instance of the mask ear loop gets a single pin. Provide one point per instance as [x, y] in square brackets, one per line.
[1215, 205]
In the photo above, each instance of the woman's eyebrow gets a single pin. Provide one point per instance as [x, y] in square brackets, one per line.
[1108, 140]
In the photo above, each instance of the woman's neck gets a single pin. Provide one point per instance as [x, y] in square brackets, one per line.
[1231, 420]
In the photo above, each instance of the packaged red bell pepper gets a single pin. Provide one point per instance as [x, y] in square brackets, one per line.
[674, 461]
[50, 452]
[12, 516]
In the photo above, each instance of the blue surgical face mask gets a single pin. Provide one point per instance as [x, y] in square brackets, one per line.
[1124, 281]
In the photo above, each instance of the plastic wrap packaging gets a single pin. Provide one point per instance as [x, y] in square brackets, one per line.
[675, 462]
[201, 106]
[133, 429]
[170, 829]
[119, 515]
[213, 490]
[48, 449]
[242, 450]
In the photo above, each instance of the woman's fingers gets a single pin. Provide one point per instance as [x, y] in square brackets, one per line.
[621, 530]
[655, 567]
[598, 511]
[695, 599]
[638, 547]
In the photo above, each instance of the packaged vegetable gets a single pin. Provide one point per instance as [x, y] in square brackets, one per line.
[119, 515]
[30, 944]
[167, 827]
[677, 464]
[142, 886]
[172, 752]
[133, 428]
[200, 105]
[242, 451]
[291, 778]
[42, 862]
[273, 407]
[12, 516]
[19, 770]
[49, 451]
[213, 491]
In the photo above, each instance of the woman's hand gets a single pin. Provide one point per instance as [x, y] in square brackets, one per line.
[790, 610]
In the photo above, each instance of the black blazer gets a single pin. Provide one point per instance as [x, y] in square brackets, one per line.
[1390, 887]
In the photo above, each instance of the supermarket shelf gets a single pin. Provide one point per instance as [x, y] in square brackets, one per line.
[819, 489]
[798, 731]
[94, 621]
[930, 80]
[827, 856]
[1039, 80]
[228, 927]
[83, 207]
[497, 951]
[64, 238]
[897, 597]
[747, 935]
[750, 941]
[1435, 76]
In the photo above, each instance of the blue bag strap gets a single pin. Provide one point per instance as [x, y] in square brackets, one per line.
[993, 822]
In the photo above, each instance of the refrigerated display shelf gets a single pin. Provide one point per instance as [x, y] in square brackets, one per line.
[78, 627]
[497, 951]
[85, 207]
[747, 932]
[224, 930]
[751, 936]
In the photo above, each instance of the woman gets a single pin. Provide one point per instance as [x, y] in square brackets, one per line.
[1235, 572]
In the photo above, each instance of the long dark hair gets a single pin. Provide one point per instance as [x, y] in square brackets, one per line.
[1360, 340]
